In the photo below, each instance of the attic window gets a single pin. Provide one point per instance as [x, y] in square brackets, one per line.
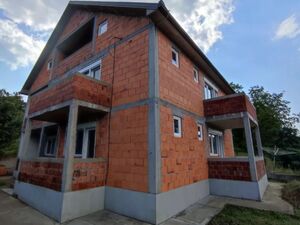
[77, 40]
[102, 28]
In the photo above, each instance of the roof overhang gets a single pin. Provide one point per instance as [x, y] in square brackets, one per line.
[171, 28]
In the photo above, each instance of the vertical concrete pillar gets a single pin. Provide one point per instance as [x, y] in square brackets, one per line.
[250, 148]
[154, 156]
[25, 139]
[258, 142]
[69, 148]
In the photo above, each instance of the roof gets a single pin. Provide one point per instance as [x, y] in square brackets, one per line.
[158, 12]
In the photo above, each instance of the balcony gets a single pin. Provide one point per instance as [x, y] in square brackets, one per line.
[51, 104]
[226, 112]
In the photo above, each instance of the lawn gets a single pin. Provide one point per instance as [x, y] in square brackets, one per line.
[236, 215]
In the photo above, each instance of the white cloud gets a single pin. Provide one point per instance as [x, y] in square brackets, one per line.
[17, 48]
[288, 28]
[202, 19]
[40, 15]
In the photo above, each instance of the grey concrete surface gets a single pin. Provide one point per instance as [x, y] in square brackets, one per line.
[13, 212]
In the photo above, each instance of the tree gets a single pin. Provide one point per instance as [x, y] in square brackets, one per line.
[11, 117]
[236, 87]
[277, 124]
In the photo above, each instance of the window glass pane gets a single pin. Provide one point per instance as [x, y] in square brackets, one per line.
[79, 142]
[174, 57]
[199, 132]
[96, 73]
[91, 144]
[176, 126]
[102, 28]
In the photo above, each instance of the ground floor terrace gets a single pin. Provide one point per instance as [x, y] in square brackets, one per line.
[148, 160]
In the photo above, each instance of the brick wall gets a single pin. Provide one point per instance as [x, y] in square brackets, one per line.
[172, 79]
[229, 170]
[128, 159]
[184, 159]
[77, 87]
[88, 175]
[260, 168]
[118, 26]
[131, 70]
[45, 174]
[234, 104]
[228, 144]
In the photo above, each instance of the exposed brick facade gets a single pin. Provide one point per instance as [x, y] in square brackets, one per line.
[261, 169]
[88, 175]
[128, 158]
[223, 106]
[45, 174]
[76, 87]
[184, 160]
[122, 143]
[229, 170]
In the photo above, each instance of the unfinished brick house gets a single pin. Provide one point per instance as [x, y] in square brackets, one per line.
[126, 113]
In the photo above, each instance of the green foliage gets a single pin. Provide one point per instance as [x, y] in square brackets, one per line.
[236, 87]
[277, 124]
[237, 215]
[11, 117]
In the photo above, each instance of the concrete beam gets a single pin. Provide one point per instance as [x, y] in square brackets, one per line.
[69, 148]
[250, 148]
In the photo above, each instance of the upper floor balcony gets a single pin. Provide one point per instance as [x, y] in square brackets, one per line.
[49, 104]
[226, 112]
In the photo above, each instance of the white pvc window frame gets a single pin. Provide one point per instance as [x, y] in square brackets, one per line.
[216, 149]
[177, 130]
[86, 127]
[175, 61]
[90, 69]
[200, 131]
[196, 75]
[102, 27]
[210, 90]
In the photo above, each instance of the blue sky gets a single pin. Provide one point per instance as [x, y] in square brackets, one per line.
[251, 42]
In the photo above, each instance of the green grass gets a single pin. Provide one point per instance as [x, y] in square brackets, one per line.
[236, 215]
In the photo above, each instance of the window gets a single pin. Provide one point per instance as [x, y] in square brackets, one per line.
[196, 75]
[85, 141]
[77, 40]
[175, 57]
[49, 65]
[50, 146]
[49, 142]
[177, 126]
[200, 132]
[215, 143]
[102, 28]
[93, 70]
[209, 90]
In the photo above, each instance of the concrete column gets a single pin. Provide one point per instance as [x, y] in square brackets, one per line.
[69, 148]
[250, 148]
[25, 139]
[258, 142]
